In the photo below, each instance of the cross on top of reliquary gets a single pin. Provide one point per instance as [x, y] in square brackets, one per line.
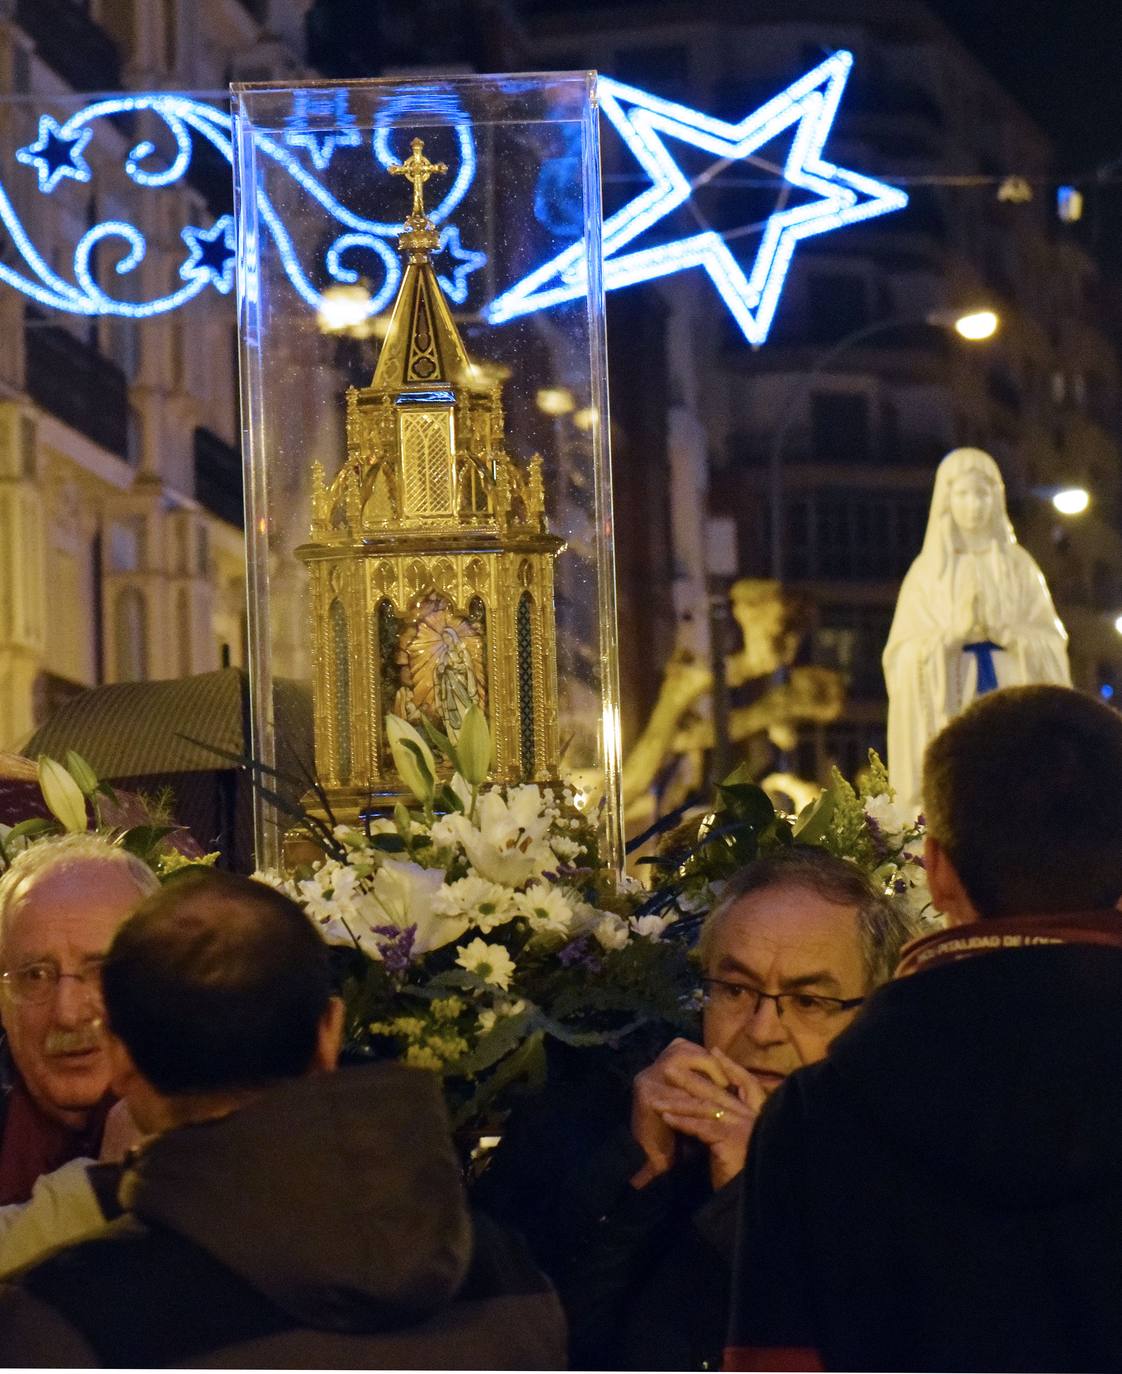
[417, 169]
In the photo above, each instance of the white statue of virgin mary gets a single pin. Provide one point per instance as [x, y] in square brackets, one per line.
[973, 614]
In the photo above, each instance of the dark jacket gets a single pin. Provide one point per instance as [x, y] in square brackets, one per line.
[322, 1225]
[643, 1274]
[944, 1191]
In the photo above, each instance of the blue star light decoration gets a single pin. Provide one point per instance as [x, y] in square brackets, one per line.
[456, 286]
[55, 154]
[308, 107]
[321, 146]
[212, 254]
[841, 197]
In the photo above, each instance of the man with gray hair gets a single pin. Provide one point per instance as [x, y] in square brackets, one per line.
[61, 901]
[627, 1192]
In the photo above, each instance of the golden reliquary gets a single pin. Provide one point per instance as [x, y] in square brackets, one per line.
[431, 564]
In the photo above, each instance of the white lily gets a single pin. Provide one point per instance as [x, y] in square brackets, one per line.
[508, 843]
[404, 894]
[651, 927]
[473, 746]
[62, 794]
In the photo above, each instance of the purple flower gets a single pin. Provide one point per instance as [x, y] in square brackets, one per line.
[574, 953]
[580, 952]
[396, 946]
[880, 845]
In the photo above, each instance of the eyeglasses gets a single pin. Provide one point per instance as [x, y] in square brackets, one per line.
[39, 982]
[802, 1008]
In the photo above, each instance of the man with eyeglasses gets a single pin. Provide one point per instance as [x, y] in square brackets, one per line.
[945, 1191]
[626, 1191]
[61, 902]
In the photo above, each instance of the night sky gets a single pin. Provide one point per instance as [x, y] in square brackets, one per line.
[1061, 59]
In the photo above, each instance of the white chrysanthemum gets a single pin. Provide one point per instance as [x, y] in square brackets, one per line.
[270, 877]
[610, 931]
[545, 908]
[890, 818]
[651, 927]
[564, 847]
[486, 905]
[490, 962]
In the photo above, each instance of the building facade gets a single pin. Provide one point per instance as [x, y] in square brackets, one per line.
[121, 549]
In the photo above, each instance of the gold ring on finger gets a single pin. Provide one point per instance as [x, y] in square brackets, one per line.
[718, 1113]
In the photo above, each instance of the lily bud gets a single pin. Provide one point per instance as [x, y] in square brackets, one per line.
[412, 758]
[62, 794]
[82, 773]
[473, 747]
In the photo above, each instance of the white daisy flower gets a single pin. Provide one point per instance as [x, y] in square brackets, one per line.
[490, 962]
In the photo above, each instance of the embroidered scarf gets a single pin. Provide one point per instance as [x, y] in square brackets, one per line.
[1011, 932]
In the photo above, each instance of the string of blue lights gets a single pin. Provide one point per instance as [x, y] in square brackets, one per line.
[838, 197]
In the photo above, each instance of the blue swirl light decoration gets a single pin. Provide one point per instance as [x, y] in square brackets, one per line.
[58, 154]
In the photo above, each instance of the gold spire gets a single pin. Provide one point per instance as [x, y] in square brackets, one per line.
[422, 345]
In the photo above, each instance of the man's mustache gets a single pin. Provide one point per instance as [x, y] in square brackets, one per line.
[60, 1041]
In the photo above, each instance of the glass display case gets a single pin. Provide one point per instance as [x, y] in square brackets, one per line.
[428, 500]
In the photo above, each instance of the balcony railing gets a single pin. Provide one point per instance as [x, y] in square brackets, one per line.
[76, 383]
[218, 477]
[77, 47]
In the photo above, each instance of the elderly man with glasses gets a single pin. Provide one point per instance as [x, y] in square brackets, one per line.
[61, 902]
[626, 1191]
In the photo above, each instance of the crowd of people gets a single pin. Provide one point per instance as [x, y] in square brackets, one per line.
[878, 1152]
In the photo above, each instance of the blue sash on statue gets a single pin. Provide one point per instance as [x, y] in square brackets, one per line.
[987, 673]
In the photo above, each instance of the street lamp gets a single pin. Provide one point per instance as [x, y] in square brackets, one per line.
[1071, 500]
[976, 326]
[971, 325]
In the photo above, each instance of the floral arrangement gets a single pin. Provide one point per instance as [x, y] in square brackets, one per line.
[481, 922]
[864, 825]
[77, 800]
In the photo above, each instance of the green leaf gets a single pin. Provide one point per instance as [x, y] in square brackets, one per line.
[447, 800]
[440, 741]
[748, 803]
[527, 1061]
[814, 820]
[741, 774]
[388, 844]
[499, 1041]
[29, 829]
[141, 840]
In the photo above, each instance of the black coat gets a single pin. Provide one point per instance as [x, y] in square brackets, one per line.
[944, 1191]
[643, 1274]
[322, 1225]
